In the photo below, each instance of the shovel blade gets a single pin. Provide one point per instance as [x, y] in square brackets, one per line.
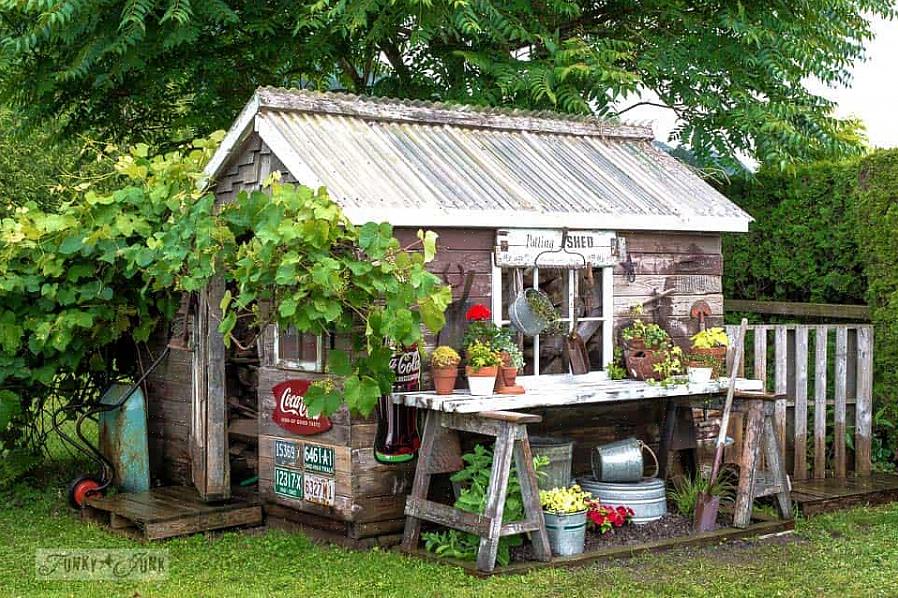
[706, 508]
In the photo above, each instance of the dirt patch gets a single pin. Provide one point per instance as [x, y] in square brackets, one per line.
[672, 525]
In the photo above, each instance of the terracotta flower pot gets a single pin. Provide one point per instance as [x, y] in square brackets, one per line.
[718, 354]
[481, 381]
[509, 375]
[444, 379]
[641, 364]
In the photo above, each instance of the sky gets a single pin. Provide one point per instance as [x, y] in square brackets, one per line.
[872, 97]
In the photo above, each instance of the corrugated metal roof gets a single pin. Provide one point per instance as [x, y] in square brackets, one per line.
[420, 164]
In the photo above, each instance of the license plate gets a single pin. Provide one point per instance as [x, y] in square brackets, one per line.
[286, 453]
[318, 458]
[288, 483]
[319, 489]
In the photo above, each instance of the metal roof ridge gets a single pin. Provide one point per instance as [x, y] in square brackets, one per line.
[440, 113]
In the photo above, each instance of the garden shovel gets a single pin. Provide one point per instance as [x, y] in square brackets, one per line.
[707, 505]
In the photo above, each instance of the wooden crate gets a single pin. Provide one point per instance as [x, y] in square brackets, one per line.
[168, 512]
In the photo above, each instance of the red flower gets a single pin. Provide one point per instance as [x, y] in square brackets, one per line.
[478, 312]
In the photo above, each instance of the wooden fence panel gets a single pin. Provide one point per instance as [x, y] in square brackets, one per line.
[781, 382]
[800, 469]
[863, 410]
[820, 341]
[839, 406]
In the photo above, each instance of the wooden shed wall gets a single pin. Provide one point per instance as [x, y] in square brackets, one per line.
[169, 390]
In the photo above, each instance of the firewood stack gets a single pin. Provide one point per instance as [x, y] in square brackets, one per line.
[242, 371]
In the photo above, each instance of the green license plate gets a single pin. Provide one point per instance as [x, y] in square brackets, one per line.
[318, 458]
[288, 483]
[286, 453]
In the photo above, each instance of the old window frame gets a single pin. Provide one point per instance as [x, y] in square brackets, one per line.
[607, 317]
[315, 366]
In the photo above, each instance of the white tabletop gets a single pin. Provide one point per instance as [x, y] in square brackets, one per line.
[555, 391]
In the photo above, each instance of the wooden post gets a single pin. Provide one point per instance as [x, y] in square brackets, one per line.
[495, 497]
[839, 464]
[751, 450]
[800, 468]
[523, 458]
[421, 484]
[863, 425]
[781, 384]
[820, 340]
[761, 355]
[773, 455]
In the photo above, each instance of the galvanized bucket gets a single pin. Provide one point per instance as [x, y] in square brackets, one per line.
[523, 317]
[621, 461]
[647, 497]
[567, 532]
[560, 452]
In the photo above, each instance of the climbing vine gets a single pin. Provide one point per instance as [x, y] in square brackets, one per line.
[81, 285]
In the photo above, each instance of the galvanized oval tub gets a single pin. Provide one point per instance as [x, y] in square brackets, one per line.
[560, 452]
[647, 498]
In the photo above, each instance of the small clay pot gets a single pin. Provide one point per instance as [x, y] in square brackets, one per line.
[444, 379]
[641, 364]
[509, 375]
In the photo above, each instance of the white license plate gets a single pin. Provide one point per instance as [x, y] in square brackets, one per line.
[318, 489]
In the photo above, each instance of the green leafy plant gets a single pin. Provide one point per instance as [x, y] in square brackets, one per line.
[444, 357]
[482, 356]
[615, 368]
[82, 285]
[710, 338]
[652, 335]
[686, 490]
[506, 345]
[670, 367]
[475, 479]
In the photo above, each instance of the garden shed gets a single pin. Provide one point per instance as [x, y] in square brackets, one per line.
[503, 189]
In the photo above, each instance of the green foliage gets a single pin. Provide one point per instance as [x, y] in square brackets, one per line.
[651, 334]
[876, 214]
[81, 284]
[802, 246]
[482, 356]
[686, 490]
[733, 73]
[710, 338]
[444, 357]
[615, 368]
[475, 478]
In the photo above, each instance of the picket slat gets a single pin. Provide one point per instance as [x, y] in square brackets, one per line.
[863, 409]
[781, 382]
[800, 469]
[820, 341]
[841, 370]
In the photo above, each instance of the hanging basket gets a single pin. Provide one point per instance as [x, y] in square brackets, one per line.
[532, 312]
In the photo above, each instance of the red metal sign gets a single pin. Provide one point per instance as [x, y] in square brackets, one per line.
[290, 410]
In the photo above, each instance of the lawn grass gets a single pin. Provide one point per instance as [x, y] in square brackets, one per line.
[853, 553]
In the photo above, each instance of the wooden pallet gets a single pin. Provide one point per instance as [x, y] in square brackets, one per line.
[168, 512]
[832, 494]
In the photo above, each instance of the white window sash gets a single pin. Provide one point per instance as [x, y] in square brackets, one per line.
[316, 365]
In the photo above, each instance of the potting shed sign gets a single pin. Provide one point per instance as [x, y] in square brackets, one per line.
[290, 410]
[516, 247]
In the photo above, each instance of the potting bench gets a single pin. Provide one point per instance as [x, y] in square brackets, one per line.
[447, 415]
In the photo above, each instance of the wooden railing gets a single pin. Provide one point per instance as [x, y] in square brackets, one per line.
[836, 371]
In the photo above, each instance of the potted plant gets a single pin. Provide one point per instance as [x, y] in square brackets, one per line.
[645, 346]
[565, 512]
[444, 369]
[603, 518]
[709, 350]
[512, 362]
[482, 366]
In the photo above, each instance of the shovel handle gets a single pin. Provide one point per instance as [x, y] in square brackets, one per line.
[728, 404]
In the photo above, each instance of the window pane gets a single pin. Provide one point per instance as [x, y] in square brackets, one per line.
[298, 348]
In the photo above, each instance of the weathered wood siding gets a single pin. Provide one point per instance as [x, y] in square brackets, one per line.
[169, 396]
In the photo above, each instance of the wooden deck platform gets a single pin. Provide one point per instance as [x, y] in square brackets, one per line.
[168, 512]
[831, 494]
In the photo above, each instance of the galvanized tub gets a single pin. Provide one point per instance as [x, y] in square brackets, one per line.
[620, 461]
[560, 452]
[567, 532]
[647, 497]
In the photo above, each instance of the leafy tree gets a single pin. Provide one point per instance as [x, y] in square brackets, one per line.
[732, 71]
[82, 284]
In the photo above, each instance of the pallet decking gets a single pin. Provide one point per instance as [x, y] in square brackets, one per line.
[168, 512]
[832, 494]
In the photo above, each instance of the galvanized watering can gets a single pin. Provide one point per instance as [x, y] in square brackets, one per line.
[621, 461]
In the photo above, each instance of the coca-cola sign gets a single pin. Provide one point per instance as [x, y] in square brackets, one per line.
[290, 410]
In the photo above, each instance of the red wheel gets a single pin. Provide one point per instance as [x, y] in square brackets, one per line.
[82, 487]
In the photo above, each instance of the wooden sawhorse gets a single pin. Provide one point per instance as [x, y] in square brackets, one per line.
[759, 434]
[440, 453]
